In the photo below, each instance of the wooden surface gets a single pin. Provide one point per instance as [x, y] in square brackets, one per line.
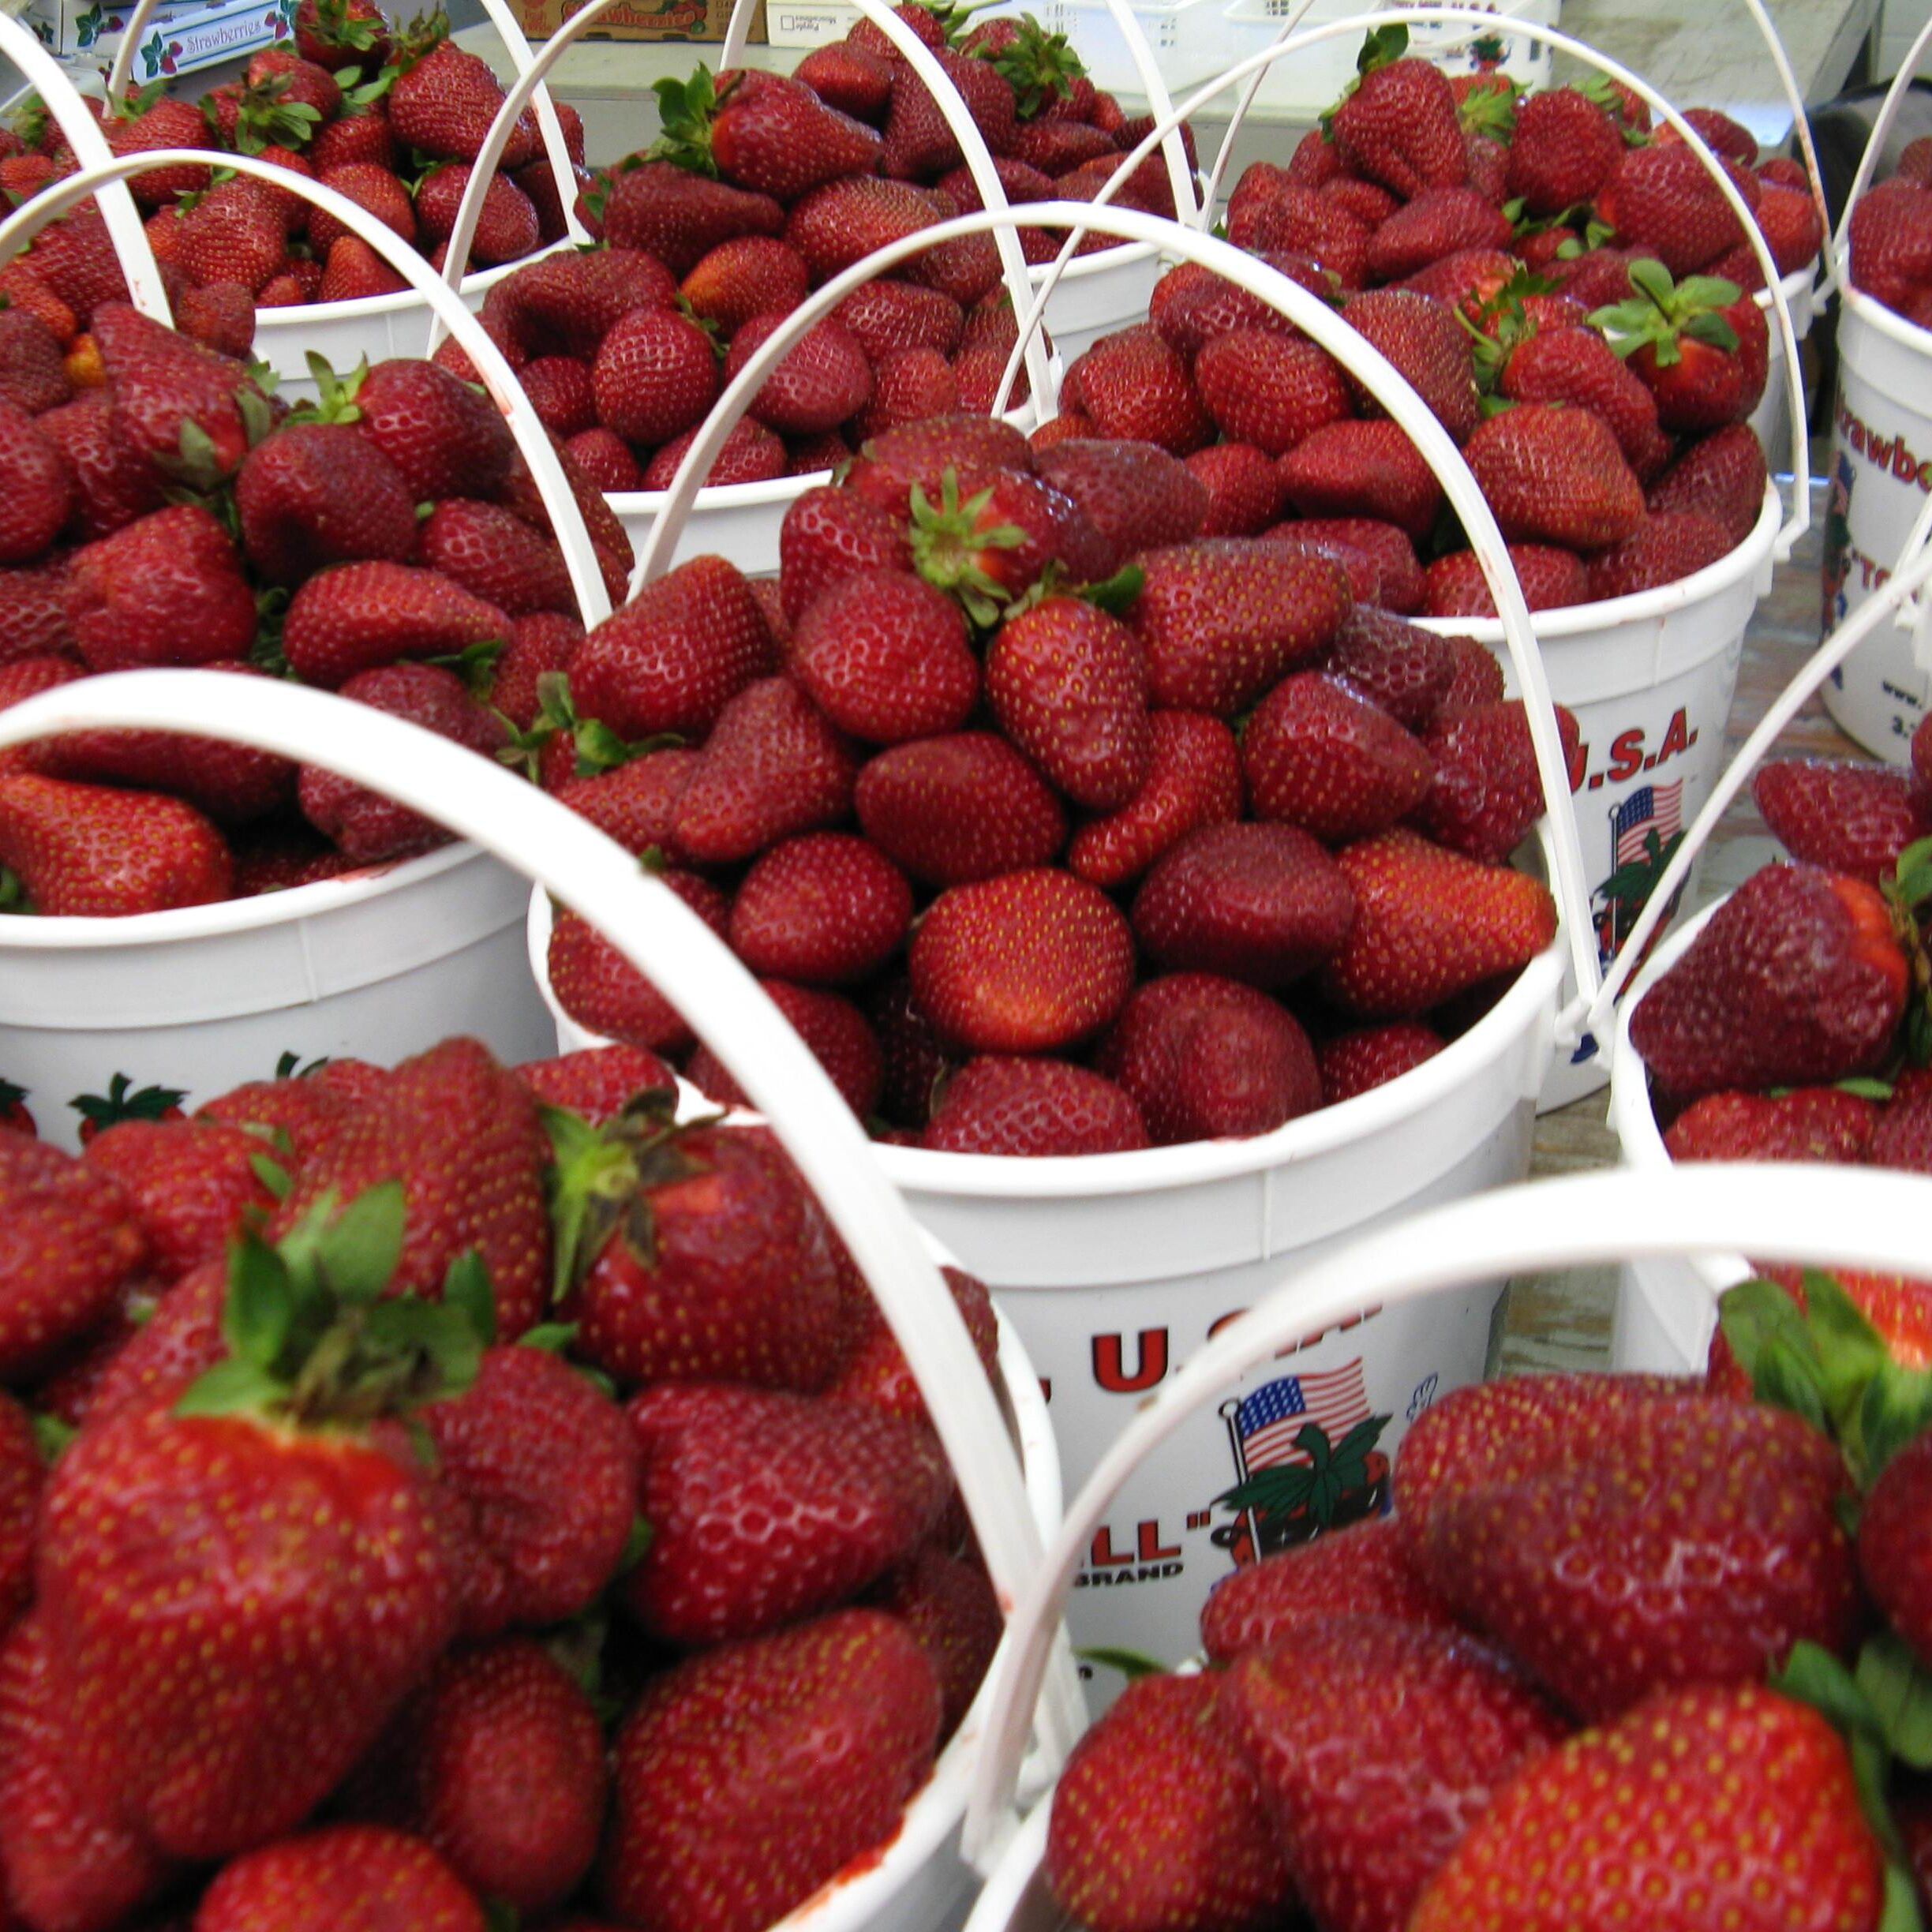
[1563, 1321]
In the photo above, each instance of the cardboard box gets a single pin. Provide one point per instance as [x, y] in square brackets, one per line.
[179, 39]
[809, 23]
[640, 20]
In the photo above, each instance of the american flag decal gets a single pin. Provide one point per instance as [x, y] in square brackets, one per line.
[1268, 1422]
[1650, 808]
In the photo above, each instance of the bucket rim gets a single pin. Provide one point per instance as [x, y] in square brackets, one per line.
[1577, 621]
[1874, 314]
[398, 301]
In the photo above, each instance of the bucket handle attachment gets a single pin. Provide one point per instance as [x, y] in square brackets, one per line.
[1849, 1217]
[1800, 520]
[590, 872]
[556, 149]
[75, 118]
[532, 439]
[1316, 320]
[1900, 598]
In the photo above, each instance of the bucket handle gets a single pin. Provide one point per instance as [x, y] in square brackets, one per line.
[1800, 520]
[532, 439]
[1900, 599]
[1316, 319]
[556, 148]
[590, 872]
[1875, 148]
[75, 118]
[1846, 1217]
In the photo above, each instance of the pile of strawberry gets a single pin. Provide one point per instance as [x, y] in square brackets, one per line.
[166, 509]
[393, 120]
[1630, 1651]
[964, 789]
[1891, 237]
[1571, 298]
[433, 1496]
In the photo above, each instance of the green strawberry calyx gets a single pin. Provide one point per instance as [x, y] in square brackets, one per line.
[335, 396]
[1490, 110]
[947, 542]
[314, 1337]
[1661, 315]
[1040, 67]
[124, 1101]
[337, 27]
[685, 110]
[1606, 95]
[12, 1095]
[598, 748]
[1907, 891]
[265, 118]
[601, 1177]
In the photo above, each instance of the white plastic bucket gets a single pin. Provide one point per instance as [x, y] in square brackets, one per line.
[1771, 419]
[1114, 1268]
[915, 1880]
[1822, 1216]
[380, 963]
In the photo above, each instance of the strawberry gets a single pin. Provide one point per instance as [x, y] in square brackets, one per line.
[339, 1878]
[768, 133]
[952, 810]
[494, 555]
[1192, 305]
[874, 1370]
[235, 233]
[1398, 667]
[15, 1116]
[541, 646]
[1564, 148]
[1895, 1557]
[1363, 470]
[822, 381]
[1486, 792]
[1429, 347]
[701, 1257]
[659, 209]
[1028, 1108]
[354, 271]
[1796, 980]
[1159, 1821]
[751, 454]
[1555, 475]
[74, 263]
[1270, 215]
[837, 1032]
[750, 275]
[918, 457]
[336, 34]
[33, 622]
[1398, 127]
[1786, 1847]
[291, 1113]
[1244, 494]
[828, 533]
[174, 400]
[1660, 200]
[41, 492]
[596, 1083]
[461, 1135]
[1262, 903]
[1204, 1059]
[1194, 779]
[1549, 578]
[1027, 963]
[1666, 547]
[354, 619]
[497, 1764]
[1903, 1136]
[850, 79]
[673, 658]
[1356, 1572]
[949, 1605]
[375, 187]
[1891, 241]
[538, 1472]
[113, 484]
[1701, 346]
[1808, 1123]
[771, 767]
[1429, 924]
[1133, 498]
[1353, 1063]
[507, 229]
[909, 385]
[767, 1507]
[886, 315]
[846, 220]
[565, 304]
[656, 375]
[1430, 1722]
[605, 457]
[1721, 476]
[193, 1183]
[636, 804]
[318, 493]
[167, 590]
[68, 1863]
[829, 1727]
[1578, 366]
[993, 547]
[1439, 223]
[1269, 390]
[1135, 388]
[1788, 218]
[602, 991]
[1319, 756]
[826, 909]
[443, 105]
[86, 851]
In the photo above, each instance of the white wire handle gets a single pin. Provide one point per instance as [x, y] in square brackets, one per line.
[1316, 319]
[695, 971]
[1799, 518]
[532, 439]
[1899, 598]
[1843, 1217]
[75, 118]
[1875, 147]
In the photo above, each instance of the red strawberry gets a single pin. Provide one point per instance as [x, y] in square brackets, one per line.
[909, 385]
[655, 374]
[1809, 1123]
[849, 78]
[443, 105]
[749, 275]
[86, 851]
[1578, 366]
[1269, 390]
[846, 220]
[1192, 305]
[1660, 200]
[637, 803]
[919, 455]
[1135, 388]
[166, 387]
[993, 547]
[837, 1033]
[1319, 756]
[1556, 476]
[1486, 792]
[1376, 1742]
[1399, 127]
[498, 1765]
[1428, 345]
[1027, 963]
[194, 1185]
[1895, 1556]
[823, 380]
[320, 493]
[1132, 497]
[949, 1605]
[1358, 1571]
[112, 483]
[135, 127]
[1701, 346]
[166, 590]
[767, 1507]
[1243, 494]
[236, 233]
[1204, 1059]
[828, 533]
[658, 208]
[1269, 215]
[1352, 1063]
[602, 991]
[1028, 1108]
[1362, 469]
[1721, 476]
[538, 1471]
[1222, 619]
[355, 270]
[596, 1083]
[825, 909]
[1550, 578]
[831, 1726]
[1194, 779]
[1564, 148]
[955, 809]
[1890, 247]
[1067, 683]
[771, 767]
[1666, 547]
[1158, 1821]
[1261, 903]
[337, 1879]
[1784, 1846]
[768, 133]
[885, 657]
[1429, 924]
[1400, 666]
[886, 315]
[874, 1370]
[1796, 980]
[506, 225]
[567, 303]
[1441, 221]
[41, 490]
[605, 457]
[354, 619]
[341, 33]
[494, 555]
